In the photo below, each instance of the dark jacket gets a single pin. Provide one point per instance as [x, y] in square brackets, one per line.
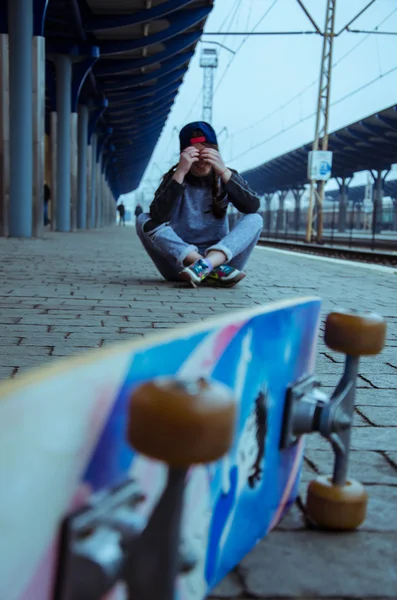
[187, 207]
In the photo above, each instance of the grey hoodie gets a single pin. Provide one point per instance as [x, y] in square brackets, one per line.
[187, 207]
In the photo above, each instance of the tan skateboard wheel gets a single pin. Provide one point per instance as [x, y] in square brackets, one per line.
[336, 507]
[355, 334]
[181, 423]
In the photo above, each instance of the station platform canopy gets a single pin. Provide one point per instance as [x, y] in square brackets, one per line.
[368, 144]
[356, 193]
[139, 51]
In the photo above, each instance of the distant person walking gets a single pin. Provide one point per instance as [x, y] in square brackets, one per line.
[47, 198]
[121, 210]
[138, 210]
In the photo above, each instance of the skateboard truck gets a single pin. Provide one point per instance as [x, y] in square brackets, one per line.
[334, 502]
[181, 423]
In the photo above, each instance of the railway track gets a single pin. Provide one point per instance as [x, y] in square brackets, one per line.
[379, 257]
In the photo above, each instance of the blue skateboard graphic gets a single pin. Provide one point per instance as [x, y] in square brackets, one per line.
[163, 463]
[246, 493]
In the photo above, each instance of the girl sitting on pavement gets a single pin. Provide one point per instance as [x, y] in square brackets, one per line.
[187, 232]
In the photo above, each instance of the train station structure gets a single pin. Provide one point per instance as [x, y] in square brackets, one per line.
[86, 88]
[366, 145]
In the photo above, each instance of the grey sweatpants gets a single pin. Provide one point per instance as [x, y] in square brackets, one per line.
[168, 251]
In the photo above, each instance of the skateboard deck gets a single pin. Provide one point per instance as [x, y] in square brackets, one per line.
[63, 447]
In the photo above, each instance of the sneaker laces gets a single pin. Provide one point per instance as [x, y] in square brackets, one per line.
[225, 269]
[199, 267]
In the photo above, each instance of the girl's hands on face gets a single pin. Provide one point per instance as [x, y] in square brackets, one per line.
[212, 156]
[189, 156]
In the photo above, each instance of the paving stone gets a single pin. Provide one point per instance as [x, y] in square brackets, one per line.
[293, 520]
[366, 466]
[230, 587]
[359, 420]
[381, 381]
[8, 320]
[314, 564]
[9, 341]
[6, 372]
[363, 438]
[50, 282]
[372, 397]
[392, 457]
[381, 416]
[19, 330]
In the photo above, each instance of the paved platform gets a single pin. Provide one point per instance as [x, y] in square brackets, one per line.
[70, 292]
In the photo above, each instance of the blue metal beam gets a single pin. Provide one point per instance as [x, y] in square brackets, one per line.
[80, 72]
[388, 121]
[165, 84]
[141, 113]
[39, 12]
[104, 22]
[132, 142]
[374, 129]
[133, 124]
[358, 135]
[96, 113]
[182, 21]
[125, 82]
[173, 47]
[103, 136]
[148, 102]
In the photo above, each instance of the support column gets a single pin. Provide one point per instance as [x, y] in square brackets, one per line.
[298, 193]
[38, 134]
[20, 23]
[54, 180]
[93, 180]
[107, 205]
[280, 212]
[90, 153]
[64, 105]
[377, 218]
[79, 135]
[4, 136]
[103, 188]
[73, 169]
[343, 203]
[379, 202]
[394, 220]
[97, 108]
[98, 191]
[268, 218]
[82, 168]
[103, 207]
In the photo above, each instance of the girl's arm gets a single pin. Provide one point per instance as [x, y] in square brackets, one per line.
[165, 199]
[240, 194]
[171, 188]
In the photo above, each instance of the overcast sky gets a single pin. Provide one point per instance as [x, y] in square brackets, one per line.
[268, 89]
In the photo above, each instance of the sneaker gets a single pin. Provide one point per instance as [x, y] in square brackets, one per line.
[195, 273]
[225, 276]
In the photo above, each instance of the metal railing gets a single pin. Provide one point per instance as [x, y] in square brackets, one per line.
[353, 227]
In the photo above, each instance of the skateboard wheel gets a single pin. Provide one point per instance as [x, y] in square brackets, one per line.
[336, 507]
[181, 423]
[355, 333]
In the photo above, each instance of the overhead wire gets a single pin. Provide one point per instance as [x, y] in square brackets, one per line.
[232, 15]
[335, 64]
[242, 44]
[313, 114]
